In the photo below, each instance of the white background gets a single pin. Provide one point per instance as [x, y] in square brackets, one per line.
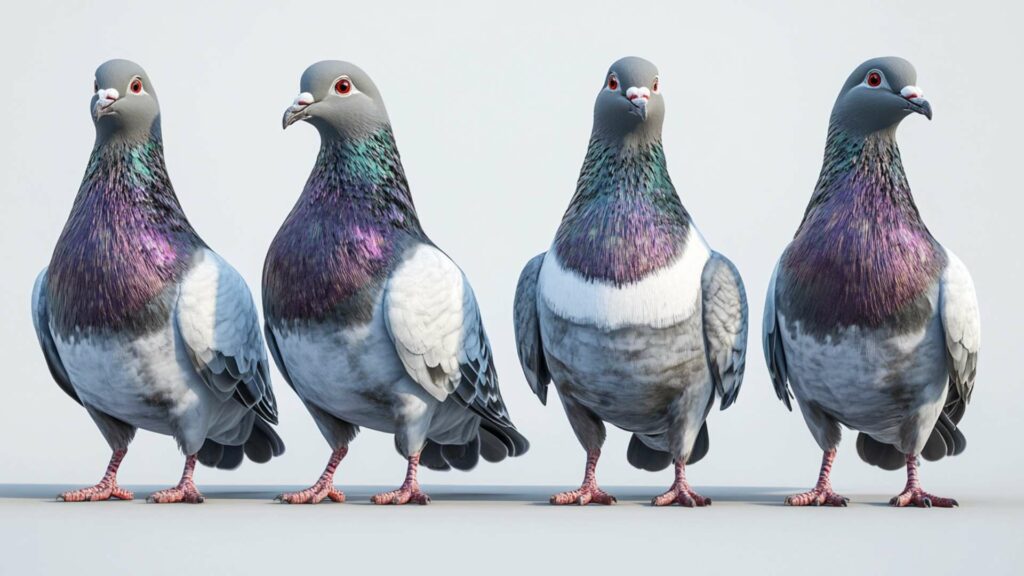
[491, 106]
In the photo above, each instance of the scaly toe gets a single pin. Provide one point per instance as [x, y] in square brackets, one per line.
[401, 496]
[585, 495]
[312, 495]
[187, 495]
[921, 499]
[817, 497]
[683, 496]
[97, 493]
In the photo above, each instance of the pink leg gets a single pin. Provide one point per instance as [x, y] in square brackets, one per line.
[324, 487]
[680, 492]
[185, 491]
[409, 491]
[588, 491]
[107, 487]
[914, 495]
[821, 494]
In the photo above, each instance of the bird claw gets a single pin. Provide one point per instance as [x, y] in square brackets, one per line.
[818, 497]
[682, 495]
[403, 495]
[100, 492]
[921, 499]
[586, 494]
[185, 492]
[312, 495]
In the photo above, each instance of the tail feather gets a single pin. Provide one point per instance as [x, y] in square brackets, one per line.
[946, 439]
[493, 442]
[464, 457]
[262, 445]
[644, 457]
[432, 458]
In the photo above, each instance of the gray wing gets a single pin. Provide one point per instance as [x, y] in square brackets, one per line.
[725, 325]
[216, 318]
[41, 321]
[771, 338]
[527, 327]
[434, 322]
[961, 323]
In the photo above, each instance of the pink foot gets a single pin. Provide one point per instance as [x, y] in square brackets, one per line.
[409, 491]
[921, 499]
[185, 491]
[324, 487]
[681, 493]
[820, 496]
[106, 489]
[587, 494]
[103, 491]
[914, 495]
[404, 495]
[313, 495]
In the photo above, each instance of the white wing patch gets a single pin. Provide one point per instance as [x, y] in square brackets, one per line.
[217, 320]
[962, 323]
[662, 299]
[430, 310]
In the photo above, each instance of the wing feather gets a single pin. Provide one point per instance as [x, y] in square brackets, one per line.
[217, 320]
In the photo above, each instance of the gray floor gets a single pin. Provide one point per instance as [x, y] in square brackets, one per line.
[502, 530]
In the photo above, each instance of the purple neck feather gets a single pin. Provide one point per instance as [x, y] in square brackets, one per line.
[125, 242]
[862, 256]
[625, 221]
[346, 232]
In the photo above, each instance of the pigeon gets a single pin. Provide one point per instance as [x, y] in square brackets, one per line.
[870, 322]
[370, 323]
[139, 320]
[630, 313]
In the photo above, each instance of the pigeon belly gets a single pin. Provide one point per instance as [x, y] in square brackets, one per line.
[887, 384]
[632, 376]
[149, 382]
[352, 372]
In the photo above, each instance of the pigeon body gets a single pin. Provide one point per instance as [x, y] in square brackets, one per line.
[630, 314]
[370, 322]
[139, 320]
[870, 320]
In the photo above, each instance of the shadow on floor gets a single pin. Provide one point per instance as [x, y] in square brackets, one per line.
[439, 493]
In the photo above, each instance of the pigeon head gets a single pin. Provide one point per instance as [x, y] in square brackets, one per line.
[879, 95]
[630, 101]
[339, 99]
[124, 104]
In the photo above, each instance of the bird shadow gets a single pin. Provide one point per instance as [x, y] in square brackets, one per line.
[536, 495]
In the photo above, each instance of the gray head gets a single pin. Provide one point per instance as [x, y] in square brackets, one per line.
[339, 99]
[630, 101]
[879, 95]
[124, 104]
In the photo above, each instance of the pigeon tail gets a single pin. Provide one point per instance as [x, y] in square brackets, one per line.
[262, 445]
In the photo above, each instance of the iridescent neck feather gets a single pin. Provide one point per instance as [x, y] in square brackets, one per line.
[862, 255]
[125, 244]
[346, 232]
[625, 221]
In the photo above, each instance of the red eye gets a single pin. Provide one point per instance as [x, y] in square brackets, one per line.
[874, 79]
[613, 83]
[343, 86]
[654, 87]
[136, 86]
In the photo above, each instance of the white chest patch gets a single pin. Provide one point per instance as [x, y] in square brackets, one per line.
[659, 300]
